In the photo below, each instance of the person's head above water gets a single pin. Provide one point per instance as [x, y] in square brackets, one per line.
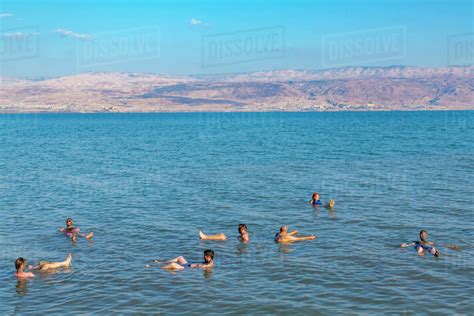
[315, 196]
[69, 222]
[20, 264]
[208, 255]
[242, 229]
[283, 229]
[423, 235]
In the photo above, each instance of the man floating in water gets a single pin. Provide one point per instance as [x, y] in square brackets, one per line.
[181, 263]
[73, 232]
[423, 245]
[20, 265]
[244, 236]
[286, 237]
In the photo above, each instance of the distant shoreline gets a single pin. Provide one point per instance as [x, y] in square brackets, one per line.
[250, 111]
[349, 89]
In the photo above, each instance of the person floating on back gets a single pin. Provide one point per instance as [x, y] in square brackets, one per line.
[423, 245]
[73, 232]
[20, 265]
[286, 237]
[221, 236]
[244, 236]
[181, 263]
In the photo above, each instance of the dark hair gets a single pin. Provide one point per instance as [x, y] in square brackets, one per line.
[19, 262]
[242, 226]
[69, 219]
[209, 253]
[421, 232]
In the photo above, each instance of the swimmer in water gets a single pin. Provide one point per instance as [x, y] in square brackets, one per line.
[315, 201]
[20, 265]
[286, 237]
[180, 263]
[73, 232]
[423, 245]
[202, 236]
[244, 236]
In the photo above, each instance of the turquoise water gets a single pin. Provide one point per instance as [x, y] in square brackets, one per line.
[146, 183]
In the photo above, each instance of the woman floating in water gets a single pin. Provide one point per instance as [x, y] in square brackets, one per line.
[73, 232]
[423, 245]
[286, 237]
[20, 265]
[181, 263]
[316, 202]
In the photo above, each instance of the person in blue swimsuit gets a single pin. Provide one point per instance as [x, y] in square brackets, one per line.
[423, 245]
[316, 202]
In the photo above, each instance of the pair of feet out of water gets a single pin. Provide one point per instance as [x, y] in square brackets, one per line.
[180, 263]
[69, 231]
[284, 236]
[43, 266]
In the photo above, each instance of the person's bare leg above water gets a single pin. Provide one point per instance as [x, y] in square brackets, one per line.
[203, 236]
[47, 265]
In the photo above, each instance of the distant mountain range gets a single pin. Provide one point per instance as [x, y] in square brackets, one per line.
[342, 89]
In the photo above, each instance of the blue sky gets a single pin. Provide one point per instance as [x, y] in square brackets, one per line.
[43, 38]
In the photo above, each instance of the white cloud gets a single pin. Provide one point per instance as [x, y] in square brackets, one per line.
[71, 34]
[5, 15]
[198, 23]
[19, 35]
[195, 21]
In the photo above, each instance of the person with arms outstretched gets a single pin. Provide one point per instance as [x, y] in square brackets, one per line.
[286, 237]
[423, 245]
[74, 232]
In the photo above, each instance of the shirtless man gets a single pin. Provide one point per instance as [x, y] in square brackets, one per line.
[244, 236]
[286, 237]
[180, 263]
[423, 245]
[73, 232]
[20, 265]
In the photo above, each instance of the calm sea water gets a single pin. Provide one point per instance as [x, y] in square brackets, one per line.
[146, 183]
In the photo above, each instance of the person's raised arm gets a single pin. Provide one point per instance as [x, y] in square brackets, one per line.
[293, 233]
